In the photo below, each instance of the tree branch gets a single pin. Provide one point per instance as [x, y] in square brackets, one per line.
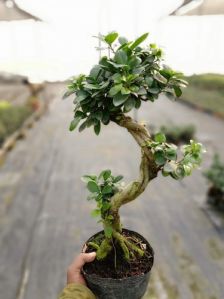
[148, 167]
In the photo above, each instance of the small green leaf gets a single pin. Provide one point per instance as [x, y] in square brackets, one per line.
[81, 95]
[122, 40]
[154, 90]
[68, 93]
[160, 137]
[107, 189]
[159, 158]
[171, 154]
[115, 89]
[105, 174]
[110, 217]
[117, 178]
[106, 117]
[74, 123]
[121, 57]
[178, 91]
[95, 213]
[160, 78]
[138, 41]
[129, 104]
[111, 37]
[97, 127]
[149, 81]
[93, 187]
[119, 99]
[87, 178]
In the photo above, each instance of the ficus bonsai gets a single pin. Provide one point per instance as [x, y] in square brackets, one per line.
[114, 87]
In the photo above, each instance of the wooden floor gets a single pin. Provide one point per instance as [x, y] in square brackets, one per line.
[44, 216]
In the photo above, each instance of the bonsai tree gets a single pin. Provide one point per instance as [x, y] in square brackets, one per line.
[115, 86]
[215, 176]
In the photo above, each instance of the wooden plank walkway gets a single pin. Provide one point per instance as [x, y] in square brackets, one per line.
[44, 217]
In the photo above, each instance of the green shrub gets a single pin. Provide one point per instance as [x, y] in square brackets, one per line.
[215, 174]
[11, 119]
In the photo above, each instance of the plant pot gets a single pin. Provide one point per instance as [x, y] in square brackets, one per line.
[133, 287]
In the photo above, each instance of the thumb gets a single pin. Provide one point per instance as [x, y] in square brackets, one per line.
[83, 258]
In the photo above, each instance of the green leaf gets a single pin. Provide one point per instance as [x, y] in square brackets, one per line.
[137, 103]
[117, 178]
[105, 174]
[93, 187]
[121, 57]
[125, 90]
[149, 81]
[154, 90]
[68, 93]
[95, 213]
[81, 95]
[178, 91]
[107, 189]
[138, 41]
[115, 89]
[160, 137]
[160, 78]
[119, 99]
[87, 178]
[95, 71]
[74, 123]
[171, 154]
[110, 38]
[122, 40]
[83, 126]
[110, 217]
[108, 231]
[129, 104]
[159, 158]
[106, 117]
[98, 115]
[97, 127]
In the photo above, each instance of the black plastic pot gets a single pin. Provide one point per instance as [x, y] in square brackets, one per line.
[127, 288]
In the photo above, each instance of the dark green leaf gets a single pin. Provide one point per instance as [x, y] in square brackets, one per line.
[121, 57]
[107, 189]
[119, 99]
[154, 90]
[97, 127]
[137, 103]
[106, 117]
[178, 91]
[115, 89]
[159, 158]
[81, 95]
[105, 174]
[83, 126]
[117, 178]
[68, 93]
[149, 81]
[93, 187]
[171, 154]
[95, 71]
[111, 37]
[74, 123]
[138, 41]
[129, 104]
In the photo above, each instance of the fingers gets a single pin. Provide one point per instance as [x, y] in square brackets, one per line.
[74, 270]
[81, 259]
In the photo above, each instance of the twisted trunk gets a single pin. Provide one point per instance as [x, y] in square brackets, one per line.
[148, 171]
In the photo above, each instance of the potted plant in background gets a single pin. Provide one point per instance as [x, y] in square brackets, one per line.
[115, 86]
[215, 177]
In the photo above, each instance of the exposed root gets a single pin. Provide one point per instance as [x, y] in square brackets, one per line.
[104, 249]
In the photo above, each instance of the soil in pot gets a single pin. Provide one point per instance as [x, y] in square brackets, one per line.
[114, 277]
[115, 266]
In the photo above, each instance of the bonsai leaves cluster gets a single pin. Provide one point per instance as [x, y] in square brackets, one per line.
[115, 86]
[101, 189]
[166, 154]
[120, 83]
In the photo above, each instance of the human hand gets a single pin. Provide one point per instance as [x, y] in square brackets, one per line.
[74, 270]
